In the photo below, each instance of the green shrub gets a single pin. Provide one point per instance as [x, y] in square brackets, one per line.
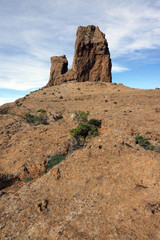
[36, 120]
[95, 122]
[18, 103]
[146, 144]
[81, 116]
[85, 129]
[41, 110]
[157, 148]
[78, 99]
[56, 159]
[28, 179]
[31, 118]
[42, 119]
[59, 117]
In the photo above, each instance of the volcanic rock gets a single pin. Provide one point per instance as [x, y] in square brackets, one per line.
[59, 66]
[91, 59]
[59, 71]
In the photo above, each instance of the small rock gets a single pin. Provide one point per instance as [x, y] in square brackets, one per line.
[157, 110]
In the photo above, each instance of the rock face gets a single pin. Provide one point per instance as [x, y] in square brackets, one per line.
[59, 71]
[59, 66]
[91, 59]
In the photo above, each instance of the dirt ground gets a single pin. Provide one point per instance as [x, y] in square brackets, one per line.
[107, 190]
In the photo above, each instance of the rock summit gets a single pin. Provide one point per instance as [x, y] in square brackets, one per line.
[91, 61]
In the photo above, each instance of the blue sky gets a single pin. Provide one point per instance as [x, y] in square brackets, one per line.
[33, 31]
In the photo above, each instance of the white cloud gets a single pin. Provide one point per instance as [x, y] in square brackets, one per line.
[133, 25]
[21, 73]
[4, 100]
[33, 31]
[117, 68]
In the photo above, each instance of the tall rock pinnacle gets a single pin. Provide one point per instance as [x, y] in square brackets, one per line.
[91, 59]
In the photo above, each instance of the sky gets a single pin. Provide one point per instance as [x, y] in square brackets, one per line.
[34, 30]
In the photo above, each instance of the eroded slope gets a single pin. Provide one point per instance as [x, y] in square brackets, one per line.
[107, 190]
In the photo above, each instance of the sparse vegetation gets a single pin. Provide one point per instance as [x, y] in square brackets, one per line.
[95, 122]
[115, 102]
[42, 119]
[58, 117]
[18, 103]
[81, 116]
[28, 179]
[12, 113]
[143, 142]
[36, 120]
[146, 144]
[31, 118]
[41, 110]
[157, 148]
[86, 128]
[5, 110]
[78, 99]
[56, 159]
[83, 131]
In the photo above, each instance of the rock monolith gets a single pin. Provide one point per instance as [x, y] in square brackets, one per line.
[91, 61]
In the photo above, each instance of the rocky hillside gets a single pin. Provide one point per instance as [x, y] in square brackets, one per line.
[102, 187]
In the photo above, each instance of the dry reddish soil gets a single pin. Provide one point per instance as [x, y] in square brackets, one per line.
[109, 189]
